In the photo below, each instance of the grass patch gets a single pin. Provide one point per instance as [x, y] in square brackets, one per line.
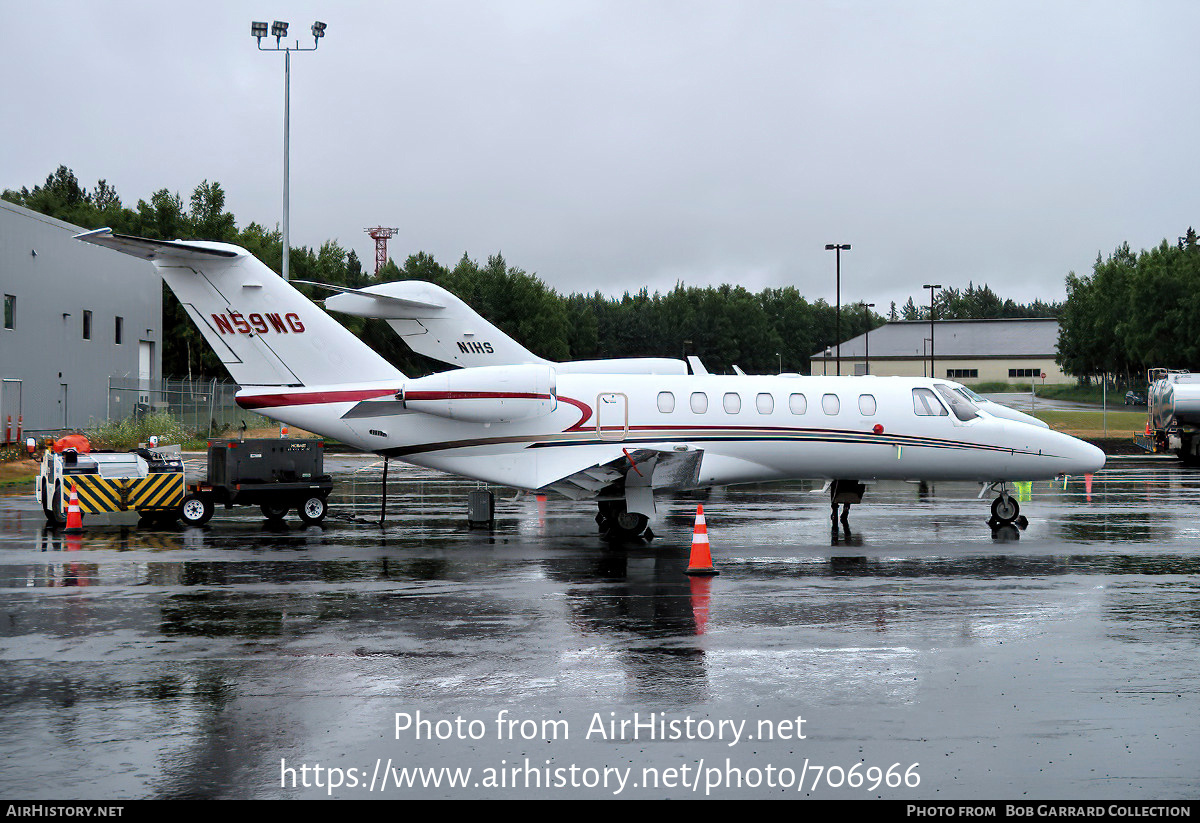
[1091, 423]
[122, 435]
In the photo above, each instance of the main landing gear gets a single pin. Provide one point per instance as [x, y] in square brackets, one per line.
[846, 493]
[616, 522]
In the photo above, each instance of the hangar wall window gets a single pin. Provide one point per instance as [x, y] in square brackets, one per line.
[119, 331]
[830, 404]
[10, 311]
[954, 374]
[766, 403]
[797, 404]
[732, 402]
[867, 404]
[699, 402]
[87, 325]
[1024, 372]
[926, 404]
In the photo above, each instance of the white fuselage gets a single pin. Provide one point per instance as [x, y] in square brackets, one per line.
[749, 428]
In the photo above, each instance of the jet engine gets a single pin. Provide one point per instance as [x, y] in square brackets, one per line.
[487, 394]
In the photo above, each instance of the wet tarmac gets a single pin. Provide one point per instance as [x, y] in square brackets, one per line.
[923, 656]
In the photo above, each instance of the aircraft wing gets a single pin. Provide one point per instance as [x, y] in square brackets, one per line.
[657, 469]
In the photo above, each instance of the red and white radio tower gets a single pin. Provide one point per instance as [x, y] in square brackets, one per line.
[381, 236]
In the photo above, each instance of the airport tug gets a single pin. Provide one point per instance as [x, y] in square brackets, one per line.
[148, 481]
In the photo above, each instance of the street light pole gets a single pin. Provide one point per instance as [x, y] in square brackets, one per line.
[867, 337]
[931, 288]
[258, 30]
[837, 249]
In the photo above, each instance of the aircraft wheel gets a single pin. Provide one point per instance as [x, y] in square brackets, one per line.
[313, 510]
[195, 510]
[1005, 508]
[273, 511]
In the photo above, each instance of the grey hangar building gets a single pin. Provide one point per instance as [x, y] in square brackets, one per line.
[74, 315]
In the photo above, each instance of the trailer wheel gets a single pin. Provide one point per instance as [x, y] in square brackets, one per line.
[313, 510]
[273, 511]
[195, 510]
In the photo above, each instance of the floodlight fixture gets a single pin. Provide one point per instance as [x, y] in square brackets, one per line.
[279, 30]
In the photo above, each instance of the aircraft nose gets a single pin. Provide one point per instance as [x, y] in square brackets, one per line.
[1084, 457]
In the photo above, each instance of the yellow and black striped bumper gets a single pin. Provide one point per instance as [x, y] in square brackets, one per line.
[155, 492]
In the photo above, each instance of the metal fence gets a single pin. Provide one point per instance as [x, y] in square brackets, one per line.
[204, 406]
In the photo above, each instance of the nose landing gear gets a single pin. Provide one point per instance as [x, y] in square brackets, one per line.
[1005, 509]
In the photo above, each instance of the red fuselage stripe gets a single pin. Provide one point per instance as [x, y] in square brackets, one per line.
[268, 401]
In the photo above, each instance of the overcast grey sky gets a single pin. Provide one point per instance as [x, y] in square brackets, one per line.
[612, 145]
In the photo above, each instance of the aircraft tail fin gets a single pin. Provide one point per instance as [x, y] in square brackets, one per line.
[433, 322]
[265, 331]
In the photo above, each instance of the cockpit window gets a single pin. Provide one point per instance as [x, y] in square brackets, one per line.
[963, 408]
[926, 404]
[970, 395]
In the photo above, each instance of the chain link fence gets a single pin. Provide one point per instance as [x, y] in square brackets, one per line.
[204, 406]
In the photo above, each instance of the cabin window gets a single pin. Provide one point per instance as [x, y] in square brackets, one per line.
[830, 404]
[797, 404]
[867, 405]
[10, 311]
[765, 403]
[732, 402]
[963, 408]
[926, 404]
[87, 325]
[119, 331]
[699, 402]
[666, 402]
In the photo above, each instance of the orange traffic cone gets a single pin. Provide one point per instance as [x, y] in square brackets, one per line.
[701, 560]
[74, 515]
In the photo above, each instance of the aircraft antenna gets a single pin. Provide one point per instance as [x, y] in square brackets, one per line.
[381, 235]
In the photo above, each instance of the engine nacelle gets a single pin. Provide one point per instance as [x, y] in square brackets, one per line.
[487, 394]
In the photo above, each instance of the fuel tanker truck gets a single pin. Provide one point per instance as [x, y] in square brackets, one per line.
[1173, 406]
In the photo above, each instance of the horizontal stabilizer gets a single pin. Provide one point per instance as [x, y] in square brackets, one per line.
[378, 303]
[147, 249]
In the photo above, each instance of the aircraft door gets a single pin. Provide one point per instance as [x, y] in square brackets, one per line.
[612, 416]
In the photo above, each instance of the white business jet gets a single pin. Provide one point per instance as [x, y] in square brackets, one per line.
[437, 324]
[616, 438]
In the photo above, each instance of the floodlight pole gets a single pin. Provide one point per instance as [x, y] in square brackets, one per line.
[318, 31]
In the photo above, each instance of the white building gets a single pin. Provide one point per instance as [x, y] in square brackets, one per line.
[1016, 350]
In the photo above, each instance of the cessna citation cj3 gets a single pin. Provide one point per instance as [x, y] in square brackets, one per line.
[609, 436]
